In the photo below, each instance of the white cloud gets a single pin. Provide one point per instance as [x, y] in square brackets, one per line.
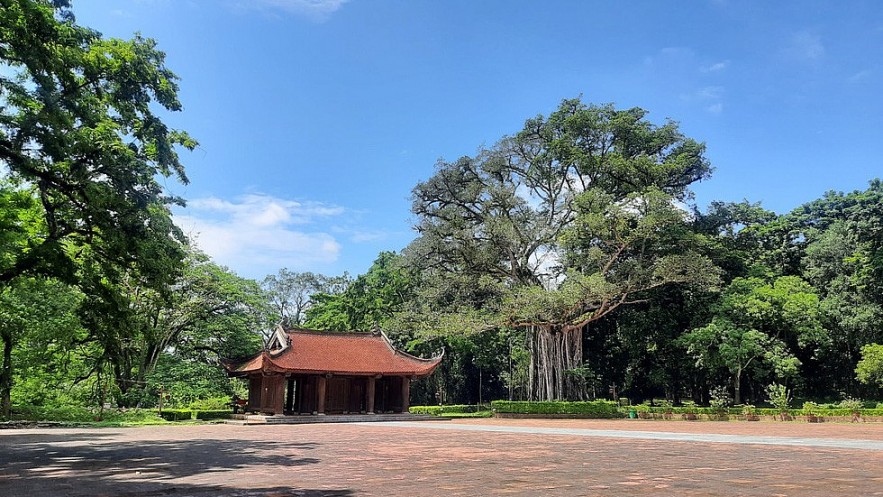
[717, 66]
[257, 234]
[316, 10]
[863, 74]
[711, 97]
[805, 46]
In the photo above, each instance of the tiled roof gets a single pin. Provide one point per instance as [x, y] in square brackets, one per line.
[343, 353]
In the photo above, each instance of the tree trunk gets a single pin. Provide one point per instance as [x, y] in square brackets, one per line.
[6, 378]
[552, 354]
[737, 387]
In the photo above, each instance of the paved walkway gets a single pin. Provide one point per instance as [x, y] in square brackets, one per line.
[873, 445]
[471, 457]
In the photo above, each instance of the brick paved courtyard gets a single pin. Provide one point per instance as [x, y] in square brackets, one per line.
[520, 458]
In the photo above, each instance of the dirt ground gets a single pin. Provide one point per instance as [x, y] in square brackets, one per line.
[451, 458]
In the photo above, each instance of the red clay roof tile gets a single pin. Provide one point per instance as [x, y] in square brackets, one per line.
[343, 353]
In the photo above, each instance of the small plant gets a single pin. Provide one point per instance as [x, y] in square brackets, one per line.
[855, 407]
[779, 397]
[642, 410]
[690, 410]
[720, 400]
[811, 411]
[667, 408]
[750, 412]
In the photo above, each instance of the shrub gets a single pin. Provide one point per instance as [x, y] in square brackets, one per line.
[442, 410]
[593, 409]
[212, 414]
[720, 397]
[56, 413]
[851, 404]
[176, 414]
[811, 409]
[212, 404]
[778, 396]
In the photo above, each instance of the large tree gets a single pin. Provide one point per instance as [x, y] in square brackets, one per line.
[292, 293]
[502, 216]
[79, 131]
[762, 331]
[205, 314]
[81, 149]
[38, 315]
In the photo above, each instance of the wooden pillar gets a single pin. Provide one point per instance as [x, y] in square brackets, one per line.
[255, 386]
[369, 393]
[320, 392]
[272, 394]
[278, 385]
[406, 393]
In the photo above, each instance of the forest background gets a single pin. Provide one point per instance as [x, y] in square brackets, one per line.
[566, 258]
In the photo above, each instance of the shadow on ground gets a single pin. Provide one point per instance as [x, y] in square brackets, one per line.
[96, 465]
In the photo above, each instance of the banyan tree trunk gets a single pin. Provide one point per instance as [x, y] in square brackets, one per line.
[552, 353]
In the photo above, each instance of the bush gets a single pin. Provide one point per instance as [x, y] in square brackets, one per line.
[212, 404]
[811, 409]
[594, 409]
[79, 414]
[442, 410]
[778, 396]
[56, 413]
[854, 405]
[176, 414]
[212, 414]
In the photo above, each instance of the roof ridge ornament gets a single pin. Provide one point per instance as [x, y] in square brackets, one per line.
[279, 341]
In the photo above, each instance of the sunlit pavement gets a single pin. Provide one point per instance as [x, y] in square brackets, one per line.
[471, 457]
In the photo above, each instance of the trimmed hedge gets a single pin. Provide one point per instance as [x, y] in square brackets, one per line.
[760, 411]
[212, 414]
[77, 414]
[188, 414]
[176, 414]
[593, 409]
[442, 410]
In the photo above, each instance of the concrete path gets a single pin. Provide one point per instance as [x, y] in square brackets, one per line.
[873, 445]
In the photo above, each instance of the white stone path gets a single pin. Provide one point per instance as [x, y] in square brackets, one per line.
[831, 443]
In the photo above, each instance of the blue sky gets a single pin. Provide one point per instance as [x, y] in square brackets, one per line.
[317, 117]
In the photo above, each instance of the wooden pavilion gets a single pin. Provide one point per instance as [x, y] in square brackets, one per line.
[326, 372]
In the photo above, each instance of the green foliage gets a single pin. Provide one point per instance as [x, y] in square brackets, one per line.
[758, 330]
[444, 410]
[370, 300]
[593, 409]
[206, 415]
[212, 404]
[869, 369]
[176, 414]
[584, 196]
[294, 294]
[851, 404]
[79, 414]
[720, 398]
[78, 129]
[208, 313]
[778, 396]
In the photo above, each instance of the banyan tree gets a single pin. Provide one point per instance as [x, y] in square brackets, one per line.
[558, 226]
